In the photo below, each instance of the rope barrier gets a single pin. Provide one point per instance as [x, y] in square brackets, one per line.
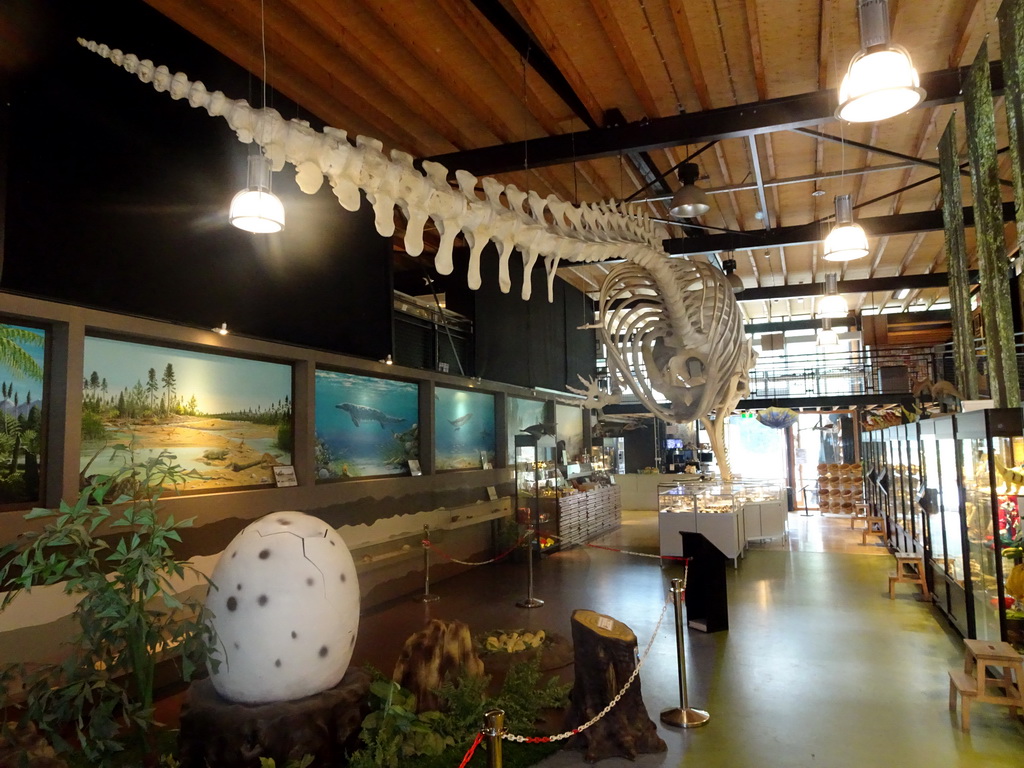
[471, 750]
[611, 704]
[430, 545]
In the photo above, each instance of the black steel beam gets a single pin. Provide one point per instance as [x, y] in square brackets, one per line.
[874, 284]
[801, 111]
[828, 401]
[533, 54]
[878, 226]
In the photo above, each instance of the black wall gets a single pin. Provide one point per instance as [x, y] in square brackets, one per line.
[117, 196]
[533, 343]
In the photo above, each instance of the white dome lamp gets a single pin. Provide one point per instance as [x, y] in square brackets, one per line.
[833, 303]
[689, 200]
[881, 80]
[847, 240]
[257, 209]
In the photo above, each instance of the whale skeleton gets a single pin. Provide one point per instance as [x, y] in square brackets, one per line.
[672, 326]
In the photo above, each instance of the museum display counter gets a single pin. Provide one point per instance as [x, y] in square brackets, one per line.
[640, 491]
[721, 512]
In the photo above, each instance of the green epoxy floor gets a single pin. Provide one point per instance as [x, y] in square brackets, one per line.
[818, 667]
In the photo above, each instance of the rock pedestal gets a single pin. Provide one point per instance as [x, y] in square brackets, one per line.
[215, 731]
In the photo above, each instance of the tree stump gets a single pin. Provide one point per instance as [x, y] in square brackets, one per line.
[439, 650]
[606, 655]
[222, 733]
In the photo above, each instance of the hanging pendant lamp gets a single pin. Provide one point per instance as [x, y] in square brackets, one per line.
[881, 80]
[689, 200]
[847, 240]
[832, 304]
[256, 208]
[827, 337]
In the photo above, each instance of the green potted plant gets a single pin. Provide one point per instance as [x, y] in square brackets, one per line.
[113, 548]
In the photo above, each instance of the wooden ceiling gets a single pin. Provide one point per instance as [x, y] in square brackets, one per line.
[437, 77]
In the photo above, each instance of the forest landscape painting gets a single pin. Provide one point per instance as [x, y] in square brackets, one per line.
[463, 428]
[228, 420]
[365, 426]
[21, 412]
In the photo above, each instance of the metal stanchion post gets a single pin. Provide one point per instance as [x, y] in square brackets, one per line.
[682, 716]
[530, 601]
[494, 726]
[426, 597]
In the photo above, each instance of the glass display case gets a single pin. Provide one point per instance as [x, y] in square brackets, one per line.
[538, 482]
[562, 504]
[939, 501]
[719, 511]
[991, 446]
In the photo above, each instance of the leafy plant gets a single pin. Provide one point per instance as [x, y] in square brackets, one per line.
[523, 698]
[393, 731]
[113, 549]
[303, 762]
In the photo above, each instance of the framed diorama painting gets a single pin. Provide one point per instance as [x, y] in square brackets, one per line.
[227, 420]
[526, 417]
[365, 426]
[22, 404]
[569, 431]
[463, 429]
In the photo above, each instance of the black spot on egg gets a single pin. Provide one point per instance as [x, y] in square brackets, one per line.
[234, 554]
[352, 642]
[232, 603]
[264, 554]
[343, 578]
[282, 521]
[277, 663]
[262, 600]
[239, 587]
[237, 646]
[333, 544]
[309, 581]
[294, 634]
[323, 651]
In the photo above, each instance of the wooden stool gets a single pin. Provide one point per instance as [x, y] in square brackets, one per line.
[975, 683]
[861, 511]
[909, 569]
[875, 526]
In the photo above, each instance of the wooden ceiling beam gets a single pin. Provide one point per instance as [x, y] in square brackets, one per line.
[754, 33]
[963, 28]
[700, 85]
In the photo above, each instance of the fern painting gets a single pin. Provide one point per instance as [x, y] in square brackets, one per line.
[227, 420]
[21, 413]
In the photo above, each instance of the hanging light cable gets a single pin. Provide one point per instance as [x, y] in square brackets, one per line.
[832, 304]
[881, 80]
[256, 208]
[847, 240]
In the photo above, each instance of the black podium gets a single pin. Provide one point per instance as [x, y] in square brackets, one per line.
[707, 602]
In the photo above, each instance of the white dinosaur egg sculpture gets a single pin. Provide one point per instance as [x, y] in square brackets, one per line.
[285, 606]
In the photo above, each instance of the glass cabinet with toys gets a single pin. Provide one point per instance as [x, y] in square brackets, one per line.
[991, 473]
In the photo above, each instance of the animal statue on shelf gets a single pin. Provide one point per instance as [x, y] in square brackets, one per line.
[675, 320]
[941, 394]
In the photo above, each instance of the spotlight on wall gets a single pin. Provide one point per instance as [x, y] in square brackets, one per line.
[222, 329]
[847, 240]
[881, 80]
[387, 360]
[689, 200]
